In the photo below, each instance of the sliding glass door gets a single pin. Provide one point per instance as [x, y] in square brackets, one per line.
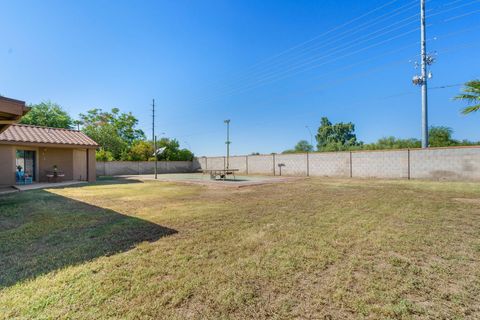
[26, 160]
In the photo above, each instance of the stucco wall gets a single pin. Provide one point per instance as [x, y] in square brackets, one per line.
[80, 164]
[62, 158]
[7, 165]
[92, 165]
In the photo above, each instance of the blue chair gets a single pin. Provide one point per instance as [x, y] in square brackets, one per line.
[22, 178]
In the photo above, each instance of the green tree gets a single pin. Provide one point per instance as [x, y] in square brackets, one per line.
[471, 94]
[115, 132]
[140, 151]
[103, 155]
[336, 137]
[48, 114]
[301, 147]
[392, 143]
[108, 138]
[124, 123]
[441, 136]
[172, 151]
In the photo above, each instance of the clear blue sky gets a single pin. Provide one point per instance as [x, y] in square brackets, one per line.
[205, 61]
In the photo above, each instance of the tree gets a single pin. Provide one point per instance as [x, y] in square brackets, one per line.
[172, 151]
[107, 137]
[140, 151]
[441, 137]
[336, 137]
[301, 147]
[471, 94]
[48, 114]
[115, 132]
[392, 143]
[124, 123]
[103, 155]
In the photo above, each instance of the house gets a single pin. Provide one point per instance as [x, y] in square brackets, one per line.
[38, 151]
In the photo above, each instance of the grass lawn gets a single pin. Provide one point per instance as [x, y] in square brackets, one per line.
[314, 248]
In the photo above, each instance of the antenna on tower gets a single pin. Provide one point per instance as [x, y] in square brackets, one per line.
[421, 80]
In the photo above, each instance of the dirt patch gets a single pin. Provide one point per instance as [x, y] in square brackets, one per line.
[467, 200]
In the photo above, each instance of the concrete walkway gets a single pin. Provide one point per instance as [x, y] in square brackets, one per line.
[7, 190]
[46, 185]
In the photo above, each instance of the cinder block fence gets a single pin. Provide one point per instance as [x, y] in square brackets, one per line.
[118, 168]
[455, 163]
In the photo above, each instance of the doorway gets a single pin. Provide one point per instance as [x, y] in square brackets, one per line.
[26, 160]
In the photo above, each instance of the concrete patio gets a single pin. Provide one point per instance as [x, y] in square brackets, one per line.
[46, 185]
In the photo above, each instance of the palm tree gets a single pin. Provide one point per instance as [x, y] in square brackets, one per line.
[471, 94]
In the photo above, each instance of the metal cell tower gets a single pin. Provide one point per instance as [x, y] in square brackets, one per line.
[422, 80]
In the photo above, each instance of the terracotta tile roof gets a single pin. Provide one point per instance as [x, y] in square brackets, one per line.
[43, 135]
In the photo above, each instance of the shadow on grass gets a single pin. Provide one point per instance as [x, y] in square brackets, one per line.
[102, 180]
[41, 232]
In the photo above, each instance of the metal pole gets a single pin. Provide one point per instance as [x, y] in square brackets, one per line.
[154, 137]
[156, 159]
[228, 143]
[311, 135]
[423, 42]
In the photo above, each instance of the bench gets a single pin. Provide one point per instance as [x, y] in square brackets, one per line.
[221, 173]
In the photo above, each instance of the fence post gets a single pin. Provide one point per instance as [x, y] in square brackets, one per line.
[246, 164]
[224, 163]
[206, 163]
[408, 162]
[351, 166]
[308, 165]
[273, 156]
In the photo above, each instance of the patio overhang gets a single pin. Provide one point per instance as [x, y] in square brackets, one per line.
[11, 111]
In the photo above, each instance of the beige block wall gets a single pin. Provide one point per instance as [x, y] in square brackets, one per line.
[380, 164]
[292, 164]
[7, 165]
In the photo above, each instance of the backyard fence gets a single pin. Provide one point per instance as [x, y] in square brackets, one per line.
[455, 163]
[117, 168]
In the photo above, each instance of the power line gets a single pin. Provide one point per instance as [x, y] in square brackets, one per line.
[284, 74]
[349, 32]
[330, 31]
[376, 57]
[461, 16]
[382, 67]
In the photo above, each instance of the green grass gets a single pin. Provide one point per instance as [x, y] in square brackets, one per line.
[305, 249]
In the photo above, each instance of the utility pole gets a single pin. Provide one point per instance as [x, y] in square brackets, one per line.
[228, 142]
[422, 79]
[423, 41]
[154, 137]
[311, 135]
[156, 160]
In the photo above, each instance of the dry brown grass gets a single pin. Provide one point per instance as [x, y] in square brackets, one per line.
[307, 249]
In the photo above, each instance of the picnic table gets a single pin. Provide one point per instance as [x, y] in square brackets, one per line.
[55, 176]
[221, 173]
